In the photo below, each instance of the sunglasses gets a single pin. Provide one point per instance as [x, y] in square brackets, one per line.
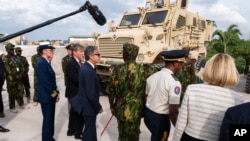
[98, 54]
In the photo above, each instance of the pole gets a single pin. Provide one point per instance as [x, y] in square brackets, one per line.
[107, 124]
[83, 8]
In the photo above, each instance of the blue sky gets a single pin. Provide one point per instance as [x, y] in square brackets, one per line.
[16, 15]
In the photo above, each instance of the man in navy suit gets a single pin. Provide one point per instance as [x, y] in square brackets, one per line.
[236, 115]
[87, 102]
[73, 65]
[47, 91]
[2, 78]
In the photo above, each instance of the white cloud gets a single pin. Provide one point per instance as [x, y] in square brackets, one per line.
[26, 13]
[222, 13]
[225, 13]
[20, 14]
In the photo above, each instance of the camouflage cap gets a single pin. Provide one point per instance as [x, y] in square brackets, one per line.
[130, 49]
[9, 46]
[68, 46]
[18, 49]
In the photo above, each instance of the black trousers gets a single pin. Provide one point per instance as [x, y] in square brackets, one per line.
[1, 98]
[186, 137]
[75, 125]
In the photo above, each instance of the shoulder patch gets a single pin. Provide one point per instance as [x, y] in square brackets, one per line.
[177, 90]
[175, 78]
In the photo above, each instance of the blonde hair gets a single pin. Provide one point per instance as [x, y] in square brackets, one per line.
[220, 70]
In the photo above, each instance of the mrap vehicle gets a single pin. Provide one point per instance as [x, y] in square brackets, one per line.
[159, 26]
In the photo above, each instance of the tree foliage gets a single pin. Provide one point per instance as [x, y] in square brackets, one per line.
[229, 42]
[226, 38]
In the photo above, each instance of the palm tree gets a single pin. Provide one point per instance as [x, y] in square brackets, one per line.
[212, 22]
[225, 38]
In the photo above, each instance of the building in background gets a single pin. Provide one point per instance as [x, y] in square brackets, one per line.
[1, 35]
[19, 40]
[82, 39]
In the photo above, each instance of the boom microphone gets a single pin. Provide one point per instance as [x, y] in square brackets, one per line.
[97, 14]
[93, 10]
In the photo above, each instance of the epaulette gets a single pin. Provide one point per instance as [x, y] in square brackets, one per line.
[175, 78]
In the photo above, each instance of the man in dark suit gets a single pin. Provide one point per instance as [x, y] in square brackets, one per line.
[73, 65]
[47, 91]
[236, 115]
[87, 102]
[2, 78]
[2, 129]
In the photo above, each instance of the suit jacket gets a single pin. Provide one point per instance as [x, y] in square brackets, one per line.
[72, 74]
[1, 72]
[239, 114]
[46, 81]
[86, 102]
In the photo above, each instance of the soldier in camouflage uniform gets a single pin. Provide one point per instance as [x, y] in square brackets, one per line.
[34, 59]
[199, 66]
[187, 75]
[126, 93]
[65, 60]
[14, 72]
[25, 63]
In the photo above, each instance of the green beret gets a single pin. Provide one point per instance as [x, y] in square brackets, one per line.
[130, 49]
[18, 49]
[9, 46]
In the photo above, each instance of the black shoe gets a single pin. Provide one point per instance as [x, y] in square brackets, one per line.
[3, 129]
[79, 137]
[70, 133]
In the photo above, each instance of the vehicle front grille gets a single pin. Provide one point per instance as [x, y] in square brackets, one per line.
[112, 48]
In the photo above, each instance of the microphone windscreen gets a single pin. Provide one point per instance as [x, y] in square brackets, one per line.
[97, 15]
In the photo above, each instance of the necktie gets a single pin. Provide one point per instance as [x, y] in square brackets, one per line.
[80, 63]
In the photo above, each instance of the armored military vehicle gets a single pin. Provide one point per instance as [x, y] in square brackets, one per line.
[159, 26]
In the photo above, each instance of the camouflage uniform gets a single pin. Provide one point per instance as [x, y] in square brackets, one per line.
[64, 62]
[25, 63]
[198, 66]
[186, 76]
[14, 71]
[34, 59]
[127, 90]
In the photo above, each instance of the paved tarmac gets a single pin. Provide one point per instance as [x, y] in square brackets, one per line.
[26, 124]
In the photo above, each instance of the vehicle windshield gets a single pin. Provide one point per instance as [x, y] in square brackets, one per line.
[128, 20]
[155, 17]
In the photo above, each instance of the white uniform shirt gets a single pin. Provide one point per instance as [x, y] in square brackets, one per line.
[162, 89]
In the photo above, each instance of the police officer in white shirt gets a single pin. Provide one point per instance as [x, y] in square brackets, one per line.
[163, 92]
